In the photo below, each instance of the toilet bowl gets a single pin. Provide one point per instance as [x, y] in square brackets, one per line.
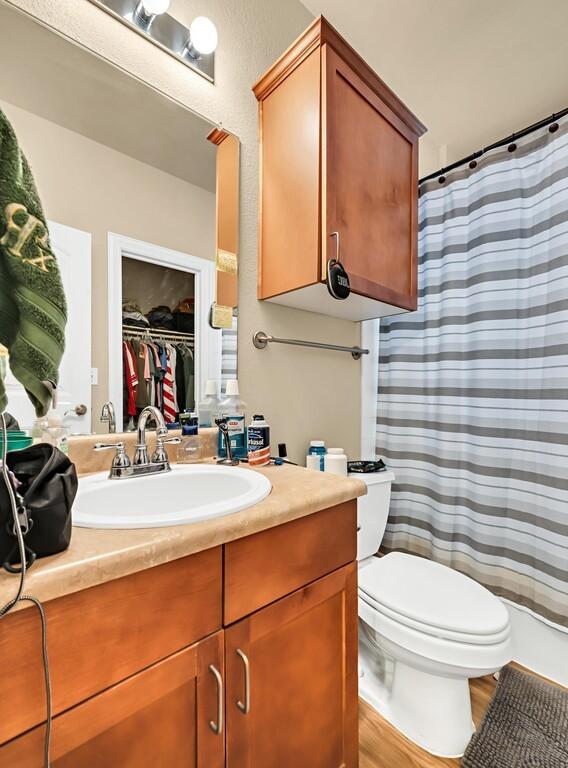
[424, 631]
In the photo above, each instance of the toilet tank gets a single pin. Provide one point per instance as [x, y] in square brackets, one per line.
[372, 511]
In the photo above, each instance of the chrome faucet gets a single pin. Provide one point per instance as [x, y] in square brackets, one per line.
[150, 412]
[107, 414]
[122, 467]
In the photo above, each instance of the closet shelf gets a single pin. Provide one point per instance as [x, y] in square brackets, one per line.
[155, 334]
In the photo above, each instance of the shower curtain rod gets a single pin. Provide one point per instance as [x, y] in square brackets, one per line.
[501, 143]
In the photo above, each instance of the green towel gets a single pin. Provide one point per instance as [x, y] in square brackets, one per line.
[32, 302]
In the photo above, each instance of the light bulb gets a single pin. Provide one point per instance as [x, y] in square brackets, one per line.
[203, 35]
[155, 7]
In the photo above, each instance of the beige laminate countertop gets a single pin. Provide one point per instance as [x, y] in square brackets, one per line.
[96, 556]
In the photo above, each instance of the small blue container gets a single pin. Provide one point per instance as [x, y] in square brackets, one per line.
[189, 422]
[318, 448]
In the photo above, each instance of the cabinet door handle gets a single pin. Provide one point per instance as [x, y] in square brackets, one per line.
[336, 235]
[245, 708]
[217, 727]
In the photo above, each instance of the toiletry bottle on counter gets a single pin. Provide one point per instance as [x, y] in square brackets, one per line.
[188, 422]
[55, 433]
[209, 405]
[38, 428]
[316, 454]
[258, 442]
[335, 461]
[232, 408]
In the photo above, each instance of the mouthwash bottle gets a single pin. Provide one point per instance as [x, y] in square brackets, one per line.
[208, 407]
[232, 408]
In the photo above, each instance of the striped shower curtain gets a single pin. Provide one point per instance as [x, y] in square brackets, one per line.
[473, 387]
[229, 354]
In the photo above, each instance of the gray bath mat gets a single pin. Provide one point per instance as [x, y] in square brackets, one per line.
[526, 726]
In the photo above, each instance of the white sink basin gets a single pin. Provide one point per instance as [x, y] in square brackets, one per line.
[188, 494]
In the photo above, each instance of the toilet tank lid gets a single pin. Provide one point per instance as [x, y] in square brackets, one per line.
[371, 478]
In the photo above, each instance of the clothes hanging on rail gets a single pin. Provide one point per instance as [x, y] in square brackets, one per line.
[160, 373]
[189, 378]
[142, 397]
[130, 377]
[170, 409]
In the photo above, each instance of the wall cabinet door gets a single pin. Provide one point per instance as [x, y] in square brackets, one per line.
[168, 716]
[339, 153]
[292, 679]
[371, 175]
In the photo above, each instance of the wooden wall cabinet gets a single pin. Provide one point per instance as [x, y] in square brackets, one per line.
[339, 154]
[227, 219]
[241, 656]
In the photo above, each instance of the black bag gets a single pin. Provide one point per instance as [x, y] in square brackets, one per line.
[46, 494]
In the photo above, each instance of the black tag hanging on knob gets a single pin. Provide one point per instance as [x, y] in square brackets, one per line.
[337, 280]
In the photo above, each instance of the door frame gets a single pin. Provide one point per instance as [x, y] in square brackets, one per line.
[207, 352]
[72, 248]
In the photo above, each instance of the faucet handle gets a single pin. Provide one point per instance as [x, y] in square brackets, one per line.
[120, 462]
[107, 446]
[160, 454]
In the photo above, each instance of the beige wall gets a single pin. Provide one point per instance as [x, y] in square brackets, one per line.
[86, 185]
[304, 393]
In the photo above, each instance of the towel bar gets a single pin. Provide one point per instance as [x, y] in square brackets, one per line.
[261, 339]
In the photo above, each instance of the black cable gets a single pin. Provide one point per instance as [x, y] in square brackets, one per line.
[20, 596]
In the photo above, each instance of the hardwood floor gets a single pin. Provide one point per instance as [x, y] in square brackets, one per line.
[382, 746]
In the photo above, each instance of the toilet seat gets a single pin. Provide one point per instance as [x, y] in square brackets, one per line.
[432, 599]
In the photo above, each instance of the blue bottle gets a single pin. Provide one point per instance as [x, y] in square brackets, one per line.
[318, 448]
[232, 408]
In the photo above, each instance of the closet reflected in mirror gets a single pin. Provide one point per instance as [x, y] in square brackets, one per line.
[158, 340]
[141, 198]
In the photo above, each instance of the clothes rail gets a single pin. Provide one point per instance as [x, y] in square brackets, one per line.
[261, 339]
[135, 332]
[472, 159]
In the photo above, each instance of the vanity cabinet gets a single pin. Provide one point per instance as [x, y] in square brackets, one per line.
[100, 636]
[170, 714]
[292, 679]
[243, 655]
[339, 154]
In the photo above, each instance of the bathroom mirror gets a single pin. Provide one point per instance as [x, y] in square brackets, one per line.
[141, 197]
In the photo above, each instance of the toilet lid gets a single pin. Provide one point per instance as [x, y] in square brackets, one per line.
[423, 592]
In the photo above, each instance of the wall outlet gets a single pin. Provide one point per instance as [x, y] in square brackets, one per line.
[94, 376]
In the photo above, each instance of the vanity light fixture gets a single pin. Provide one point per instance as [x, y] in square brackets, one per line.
[195, 47]
[147, 10]
[155, 7]
[202, 37]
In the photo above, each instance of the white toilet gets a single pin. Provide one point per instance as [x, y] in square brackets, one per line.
[424, 630]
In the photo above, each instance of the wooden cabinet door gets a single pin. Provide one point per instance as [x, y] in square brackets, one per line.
[292, 679]
[159, 718]
[370, 187]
